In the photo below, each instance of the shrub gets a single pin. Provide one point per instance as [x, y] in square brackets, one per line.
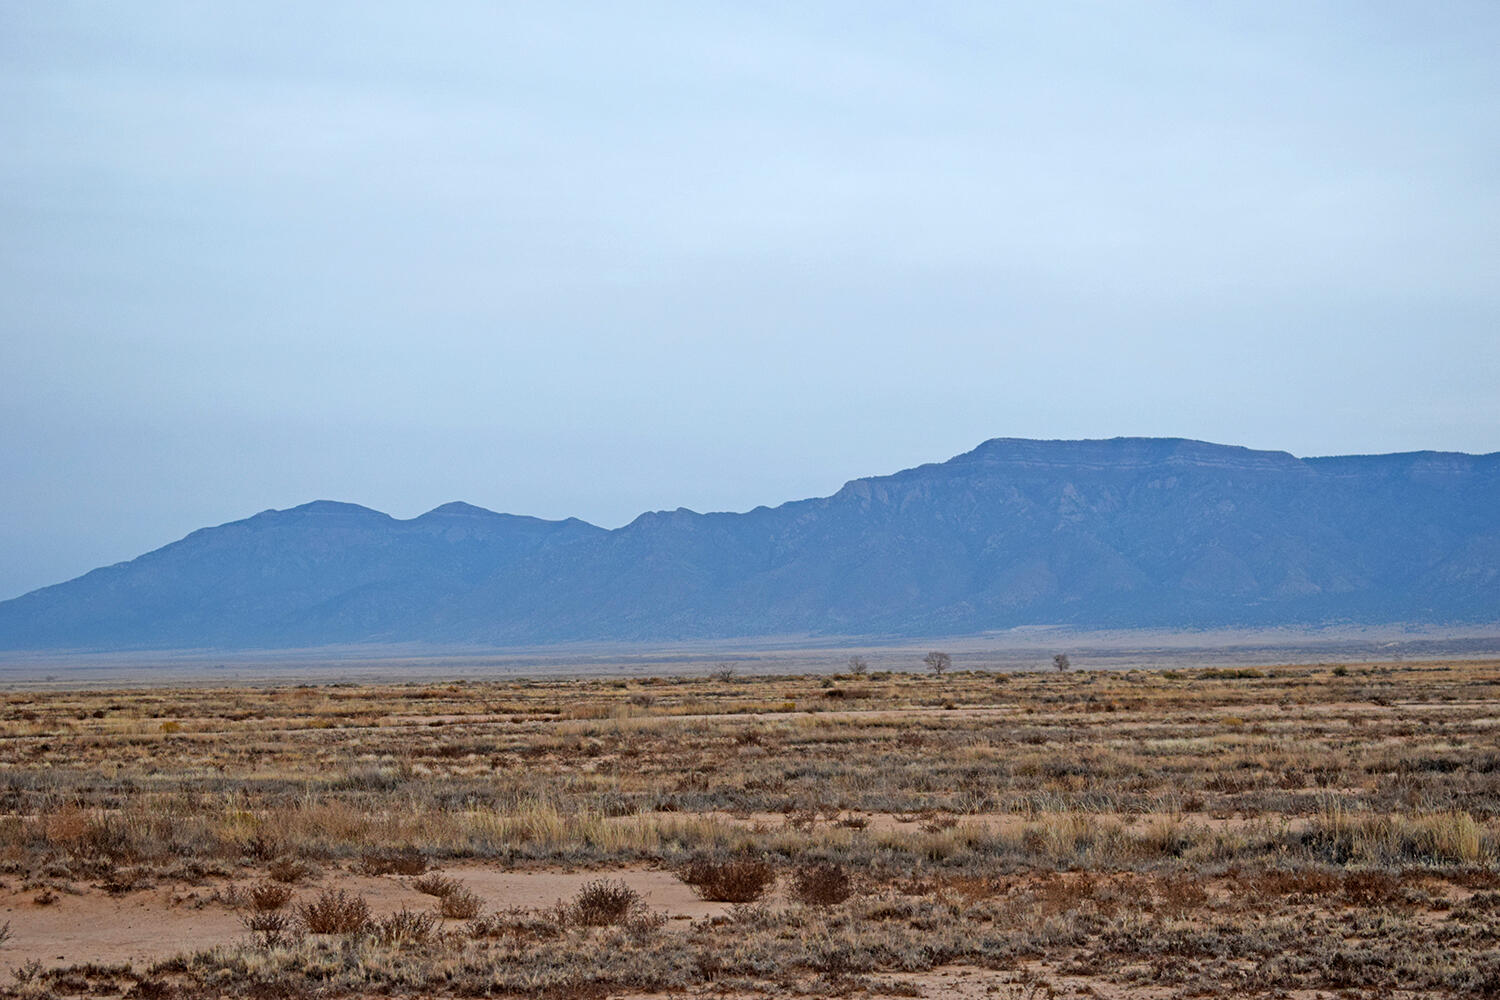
[268, 896]
[335, 912]
[436, 885]
[604, 903]
[821, 884]
[269, 928]
[405, 927]
[262, 846]
[518, 923]
[739, 880]
[460, 904]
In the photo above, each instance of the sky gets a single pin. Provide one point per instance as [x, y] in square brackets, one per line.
[595, 259]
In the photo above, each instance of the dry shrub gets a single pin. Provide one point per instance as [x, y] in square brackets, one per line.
[268, 896]
[604, 903]
[270, 929]
[969, 888]
[460, 904]
[1283, 883]
[65, 826]
[405, 927]
[436, 885]
[1055, 894]
[939, 823]
[116, 881]
[406, 861]
[1474, 878]
[801, 819]
[821, 884]
[261, 846]
[87, 835]
[518, 923]
[335, 912]
[1367, 889]
[738, 880]
[1180, 895]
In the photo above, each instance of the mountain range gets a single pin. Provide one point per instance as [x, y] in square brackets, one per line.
[1128, 532]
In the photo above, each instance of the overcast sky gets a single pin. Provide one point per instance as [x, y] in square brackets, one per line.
[571, 259]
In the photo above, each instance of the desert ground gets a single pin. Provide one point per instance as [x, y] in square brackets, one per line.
[1303, 830]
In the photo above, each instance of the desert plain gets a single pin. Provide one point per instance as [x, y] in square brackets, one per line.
[1302, 830]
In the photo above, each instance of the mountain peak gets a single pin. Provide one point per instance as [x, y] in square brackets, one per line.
[457, 508]
[334, 508]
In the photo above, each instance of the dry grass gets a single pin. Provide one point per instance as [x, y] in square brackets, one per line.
[405, 927]
[1236, 831]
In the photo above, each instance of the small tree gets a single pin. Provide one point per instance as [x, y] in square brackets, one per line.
[1061, 663]
[938, 663]
[857, 666]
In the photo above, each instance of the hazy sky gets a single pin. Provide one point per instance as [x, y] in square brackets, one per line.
[571, 259]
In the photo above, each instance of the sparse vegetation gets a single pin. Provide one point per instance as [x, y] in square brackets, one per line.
[1219, 831]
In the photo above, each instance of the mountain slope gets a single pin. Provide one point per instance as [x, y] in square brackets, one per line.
[1126, 532]
[321, 572]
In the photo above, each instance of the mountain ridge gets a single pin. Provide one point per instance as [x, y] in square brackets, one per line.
[1120, 532]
